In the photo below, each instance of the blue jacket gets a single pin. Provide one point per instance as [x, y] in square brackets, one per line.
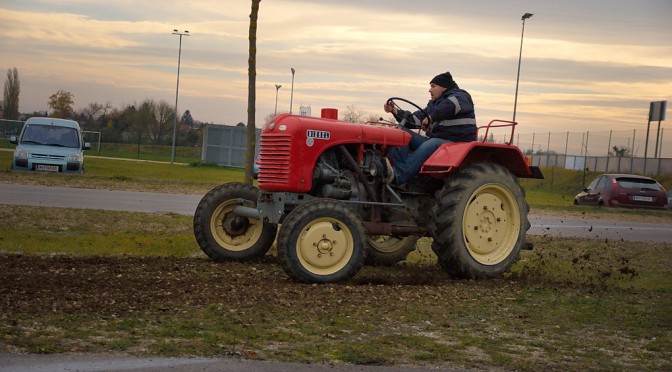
[453, 116]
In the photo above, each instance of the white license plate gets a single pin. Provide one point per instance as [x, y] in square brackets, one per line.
[642, 198]
[46, 168]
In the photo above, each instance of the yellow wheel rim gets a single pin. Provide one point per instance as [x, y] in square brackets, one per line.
[233, 232]
[491, 224]
[325, 246]
[386, 243]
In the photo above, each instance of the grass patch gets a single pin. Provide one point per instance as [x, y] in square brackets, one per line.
[95, 232]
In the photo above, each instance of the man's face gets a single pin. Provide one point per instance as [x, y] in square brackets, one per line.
[435, 91]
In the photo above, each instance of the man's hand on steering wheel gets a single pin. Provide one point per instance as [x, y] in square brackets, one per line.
[426, 124]
[392, 106]
[389, 106]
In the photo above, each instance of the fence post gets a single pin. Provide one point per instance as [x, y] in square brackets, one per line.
[608, 152]
[586, 152]
[548, 149]
[632, 158]
[619, 165]
[660, 149]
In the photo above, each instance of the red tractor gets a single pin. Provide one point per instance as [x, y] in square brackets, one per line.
[321, 184]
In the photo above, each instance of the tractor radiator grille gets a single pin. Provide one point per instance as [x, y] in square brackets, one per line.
[274, 159]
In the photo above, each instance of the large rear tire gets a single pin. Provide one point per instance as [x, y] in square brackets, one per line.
[225, 236]
[322, 241]
[479, 222]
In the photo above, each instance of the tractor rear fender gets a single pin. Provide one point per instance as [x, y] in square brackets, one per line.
[453, 155]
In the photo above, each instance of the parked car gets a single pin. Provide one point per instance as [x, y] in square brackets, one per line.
[623, 190]
[669, 199]
[49, 145]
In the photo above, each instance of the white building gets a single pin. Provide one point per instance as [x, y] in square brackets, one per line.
[304, 110]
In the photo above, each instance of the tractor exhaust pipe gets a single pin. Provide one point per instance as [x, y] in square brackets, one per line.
[248, 212]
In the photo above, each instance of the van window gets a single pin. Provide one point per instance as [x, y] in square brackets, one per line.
[51, 135]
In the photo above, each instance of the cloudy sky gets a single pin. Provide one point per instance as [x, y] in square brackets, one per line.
[587, 65]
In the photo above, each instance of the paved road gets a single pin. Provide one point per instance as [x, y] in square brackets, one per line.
[65, 197]
[600, 229]
[151, 202]
[69, 362]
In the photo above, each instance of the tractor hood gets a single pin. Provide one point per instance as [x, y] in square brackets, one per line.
[291, 144]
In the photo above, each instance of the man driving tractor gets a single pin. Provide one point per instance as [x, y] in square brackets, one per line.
[448, 117]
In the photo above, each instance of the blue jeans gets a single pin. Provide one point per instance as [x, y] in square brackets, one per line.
[407, 165]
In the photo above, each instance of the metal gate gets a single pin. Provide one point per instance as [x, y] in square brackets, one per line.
[226, 145]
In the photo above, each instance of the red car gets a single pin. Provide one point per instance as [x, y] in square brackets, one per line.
[623, 190]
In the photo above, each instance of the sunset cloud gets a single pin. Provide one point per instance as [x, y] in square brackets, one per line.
[583, 62]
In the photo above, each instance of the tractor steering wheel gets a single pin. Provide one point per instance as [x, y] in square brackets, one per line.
[403, 121]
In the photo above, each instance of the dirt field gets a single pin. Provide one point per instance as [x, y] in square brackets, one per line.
[409, 315]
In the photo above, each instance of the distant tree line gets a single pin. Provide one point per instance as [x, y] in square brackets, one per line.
[149, 122]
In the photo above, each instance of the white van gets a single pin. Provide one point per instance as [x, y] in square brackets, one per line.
[49, 145]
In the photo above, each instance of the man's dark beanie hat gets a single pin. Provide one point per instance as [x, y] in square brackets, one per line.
[445, 80]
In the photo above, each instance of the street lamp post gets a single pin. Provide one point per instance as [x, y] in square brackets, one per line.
[277, 88]
[177, 90]
[520, 55]
[291, 97]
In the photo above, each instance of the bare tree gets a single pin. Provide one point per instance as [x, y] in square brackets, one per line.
[164, 115]
[91, 113]
[143, 118]
[251, 95]
[154, 119]
[620, 151]
[352, 115]
[10, 103]
[374, 118]
[61, 104]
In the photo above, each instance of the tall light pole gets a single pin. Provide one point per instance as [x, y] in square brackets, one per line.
[177, 90]
[291, 97]
[277, 88]
[520, 56]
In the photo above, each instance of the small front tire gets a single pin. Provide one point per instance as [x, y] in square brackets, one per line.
[322, 241]
[225, 236]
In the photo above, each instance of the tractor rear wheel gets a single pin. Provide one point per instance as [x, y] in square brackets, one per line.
[322, 241]
[385, 250]
[225, 236]
[479, 222]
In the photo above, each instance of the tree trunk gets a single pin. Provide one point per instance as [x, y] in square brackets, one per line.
[251, 107]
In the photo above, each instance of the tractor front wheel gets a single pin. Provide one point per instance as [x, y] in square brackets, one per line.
[479, 222]
[322, 241]
[226, 236]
